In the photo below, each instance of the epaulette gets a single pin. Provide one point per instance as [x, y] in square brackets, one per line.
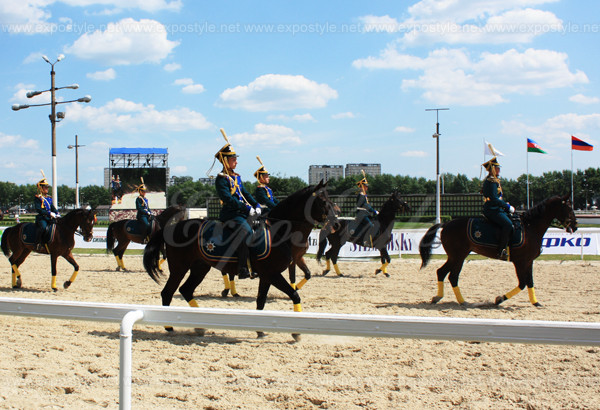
[493, 179]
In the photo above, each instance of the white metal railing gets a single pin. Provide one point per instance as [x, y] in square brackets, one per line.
[413, 327]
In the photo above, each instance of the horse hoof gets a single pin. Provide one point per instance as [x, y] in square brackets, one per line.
[55, 289]
[224, 293]
[237, 295]
[200, 331]
[19, 283]
[387, 275]
[377, 271]
[261, 335]
[297, 337]
[435, 299]
[537, 304]
[169, 328]
[325, 272]
[67, 284]
[499, 300]
[118, 269]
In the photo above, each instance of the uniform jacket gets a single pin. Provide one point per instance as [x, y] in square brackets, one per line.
[492, 196]
[236, 200]
[43, 206]
[264, 196]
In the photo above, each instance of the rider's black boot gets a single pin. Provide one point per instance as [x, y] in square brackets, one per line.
[243, 272]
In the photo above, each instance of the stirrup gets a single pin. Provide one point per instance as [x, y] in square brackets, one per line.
[503, 255]
[243, 273]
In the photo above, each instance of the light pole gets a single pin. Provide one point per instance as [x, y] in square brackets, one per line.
[438, 218]
[54, 116]
[76, 146]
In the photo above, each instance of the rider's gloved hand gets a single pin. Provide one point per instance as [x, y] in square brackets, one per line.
[511, 209]
[252, 212]
[52, 214]
[258, 210]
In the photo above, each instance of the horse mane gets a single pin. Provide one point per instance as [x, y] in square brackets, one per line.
[534, 213]
[285, 203]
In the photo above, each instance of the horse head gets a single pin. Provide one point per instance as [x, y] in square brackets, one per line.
[86, 224]
[398, 203]
[565, 214]
[323, 208]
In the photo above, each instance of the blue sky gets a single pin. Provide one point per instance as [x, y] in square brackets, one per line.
[301, 83]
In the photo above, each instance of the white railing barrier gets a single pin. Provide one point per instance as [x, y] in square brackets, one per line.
[413, 327]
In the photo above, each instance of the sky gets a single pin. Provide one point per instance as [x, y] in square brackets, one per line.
[301, 83]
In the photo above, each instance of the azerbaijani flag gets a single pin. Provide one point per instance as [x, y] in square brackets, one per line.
[532, 146]
[580, 145]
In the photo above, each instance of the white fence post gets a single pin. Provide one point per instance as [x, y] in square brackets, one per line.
[125, 349]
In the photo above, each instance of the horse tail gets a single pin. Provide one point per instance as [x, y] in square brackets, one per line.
[427, 243]
[322, 244]
[4, 243]
[110, 238]
[152, 254]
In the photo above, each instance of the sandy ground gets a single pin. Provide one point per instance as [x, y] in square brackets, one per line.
[72, 364]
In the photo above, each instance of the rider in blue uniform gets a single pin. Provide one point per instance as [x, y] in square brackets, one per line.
[263, 194]
[364, 211]
[238, 205]
[144, 214]
[117, 192]
[495, 208]
[46, 213]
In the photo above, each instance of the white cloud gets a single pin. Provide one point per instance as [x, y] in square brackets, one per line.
[124, 43]
[172, 67]
[266, 135]
[343, 115]
[298, 117]
[188, 86]
[105, 75]
[16, 141]
[32, 16]
[582, 99]
[380, 24]
[179, 169]
[277, 92]
[557, 129]
[415, 154]
[451, 76]
[402, 128]
[129, 116]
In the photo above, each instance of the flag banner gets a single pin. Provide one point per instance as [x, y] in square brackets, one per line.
[533, 146]
[580, 145]
[488, 149]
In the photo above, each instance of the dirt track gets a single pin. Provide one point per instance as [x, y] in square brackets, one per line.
[71, 364]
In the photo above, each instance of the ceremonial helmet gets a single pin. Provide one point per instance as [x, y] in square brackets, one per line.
[489, 165]
[42, 182]
[262, 171]
[363, 182]
[225, 152]
[141, 187]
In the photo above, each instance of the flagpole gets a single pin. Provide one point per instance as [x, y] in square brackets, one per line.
[572, 194]
[527, 161]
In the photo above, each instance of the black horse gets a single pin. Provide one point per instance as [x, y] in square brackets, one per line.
[118, 231]
[18, 240]
[458, 245]
[383, 225]
[288, 224]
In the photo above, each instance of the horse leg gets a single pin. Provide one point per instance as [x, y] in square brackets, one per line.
[280, 283]
[162, 260]
[175, 278]
[334, 258]
[71, 260]
[307, 275]
[198, 272]
[15, 262]
[525, 276]
[292, 274]
[327, 262]
[53, 259]
[229, 284]
[261, 300]
[119, 252]
[385, 261]
[452, 266]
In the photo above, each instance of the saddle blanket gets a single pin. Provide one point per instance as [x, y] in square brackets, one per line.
[29, 232]
[135, 227]
[219, 244]
[483, 232]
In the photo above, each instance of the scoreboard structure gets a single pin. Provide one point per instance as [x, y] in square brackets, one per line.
[132, 164]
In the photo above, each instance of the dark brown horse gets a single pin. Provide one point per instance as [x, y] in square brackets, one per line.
[457, 244]
[18, 241]
[383, 225]
[288, 224]
[118, 231]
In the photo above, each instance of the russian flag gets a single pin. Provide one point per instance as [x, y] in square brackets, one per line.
[580, 145]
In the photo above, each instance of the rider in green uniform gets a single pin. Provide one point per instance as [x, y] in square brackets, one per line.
[364, 211]
[495, 208]
[238, 205]
[144, 214]
[263, 194]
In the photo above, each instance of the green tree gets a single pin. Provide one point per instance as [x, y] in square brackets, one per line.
[94, 195]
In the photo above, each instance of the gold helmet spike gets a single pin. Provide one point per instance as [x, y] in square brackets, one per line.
[363, 181]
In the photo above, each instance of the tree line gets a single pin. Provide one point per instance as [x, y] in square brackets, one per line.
[185, 191]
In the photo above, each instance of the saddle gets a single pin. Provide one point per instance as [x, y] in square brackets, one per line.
[361, 235]
[218, 243]
[29, 233]
[482, 231]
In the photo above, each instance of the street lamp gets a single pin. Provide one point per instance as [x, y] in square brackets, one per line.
[76, 146]
[54, 116]
[438, 218]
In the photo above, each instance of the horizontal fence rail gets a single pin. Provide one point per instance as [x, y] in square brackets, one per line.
[413, 327]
